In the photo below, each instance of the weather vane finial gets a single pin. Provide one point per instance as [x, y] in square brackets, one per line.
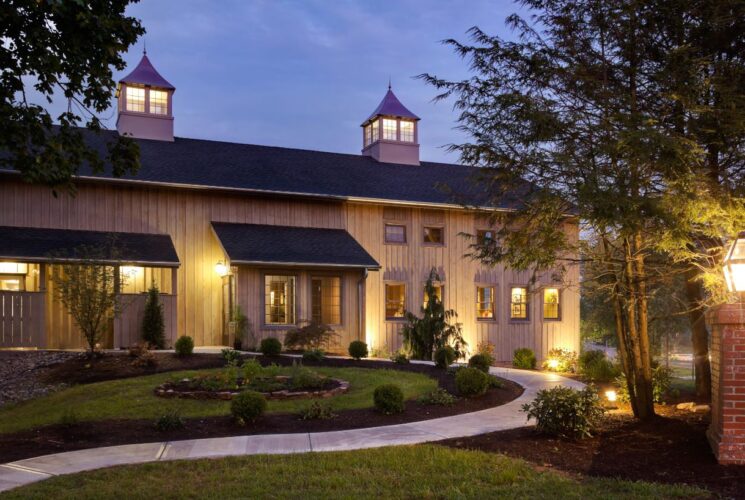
[389, 82]
[144, 47]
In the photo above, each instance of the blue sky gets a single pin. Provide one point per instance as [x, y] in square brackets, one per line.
[305, 74]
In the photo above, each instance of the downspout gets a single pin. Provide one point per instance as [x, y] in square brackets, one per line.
[360, 305]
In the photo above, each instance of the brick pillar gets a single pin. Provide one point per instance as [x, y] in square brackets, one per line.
[727, 430]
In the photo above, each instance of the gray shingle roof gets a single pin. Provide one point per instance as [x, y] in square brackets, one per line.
[40, 244]
[226, 165]
[264, 244]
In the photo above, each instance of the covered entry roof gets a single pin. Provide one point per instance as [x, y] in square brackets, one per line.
[259, 244]
[32, 244]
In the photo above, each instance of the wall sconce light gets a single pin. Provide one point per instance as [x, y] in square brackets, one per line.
[130, 271]
[734, 265]
[221, 268]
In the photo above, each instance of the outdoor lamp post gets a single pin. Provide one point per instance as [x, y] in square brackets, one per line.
[734, 265]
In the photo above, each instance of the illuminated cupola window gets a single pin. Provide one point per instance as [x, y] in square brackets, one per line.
[390, 134]
[145, 102]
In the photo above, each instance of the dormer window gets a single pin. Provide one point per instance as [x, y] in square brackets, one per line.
[158, 102]
[136, 99]
[374, 131]
[389, 129]
[407, 131]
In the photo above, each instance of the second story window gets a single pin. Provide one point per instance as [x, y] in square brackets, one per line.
[136, 99]
[551, 303]
[395, 300]
[519, 303]
[395, 233]
[438, 294]
[407, 131]
[389, 129]
[433, 235]
[485, 302]
[158, 102]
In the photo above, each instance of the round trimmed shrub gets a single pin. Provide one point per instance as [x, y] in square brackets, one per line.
[471, 382]
[524, 358]
[270, 346]
[389, 399]
[358, 349]
[184, 346]
[248, 406]
[444, 356]
[480, 362]
[565, 412]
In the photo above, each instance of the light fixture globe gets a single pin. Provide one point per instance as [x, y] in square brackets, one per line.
[734, 265]
[221, 268]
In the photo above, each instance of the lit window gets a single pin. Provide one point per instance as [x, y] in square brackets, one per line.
[484, 236]
[12, 283]
[13, 268]
[389, 129]
[395, 233]
[368, 134]
[279, 300]
[485, 302]
[407, 131]
[551, 303]
[519, 303]
[158, 102]
[438, 294]
[326, 300]
[136, 99]
[374, 131]
[395, 302]
[433, 235]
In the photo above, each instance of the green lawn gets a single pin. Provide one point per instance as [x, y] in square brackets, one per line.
[133, 398]
[424, 471]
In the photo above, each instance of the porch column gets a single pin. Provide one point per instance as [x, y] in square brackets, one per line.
[726, 432]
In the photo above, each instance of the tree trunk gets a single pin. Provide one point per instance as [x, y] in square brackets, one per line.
[699, 334]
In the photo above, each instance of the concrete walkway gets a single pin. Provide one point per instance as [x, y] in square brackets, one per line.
[503, 417]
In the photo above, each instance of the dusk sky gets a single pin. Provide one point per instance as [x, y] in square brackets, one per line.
[305, 74]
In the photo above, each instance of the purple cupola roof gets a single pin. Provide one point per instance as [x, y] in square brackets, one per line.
[146, 74]
[391, 106]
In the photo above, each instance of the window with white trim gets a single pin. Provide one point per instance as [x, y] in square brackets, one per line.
[279, 300]
[136, 99]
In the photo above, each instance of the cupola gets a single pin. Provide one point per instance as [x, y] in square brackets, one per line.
[145, 101]
[390, 134]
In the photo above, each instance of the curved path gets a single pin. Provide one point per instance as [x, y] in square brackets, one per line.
[507, 416]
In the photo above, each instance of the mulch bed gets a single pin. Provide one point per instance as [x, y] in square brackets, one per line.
[671, 448]
[58, 438]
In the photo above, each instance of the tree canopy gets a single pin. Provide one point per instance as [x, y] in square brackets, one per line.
[68, 49]
[610, 111]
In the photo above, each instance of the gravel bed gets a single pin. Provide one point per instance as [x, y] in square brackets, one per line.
[20, 370]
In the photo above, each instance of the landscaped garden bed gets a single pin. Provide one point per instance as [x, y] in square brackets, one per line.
[121, 411]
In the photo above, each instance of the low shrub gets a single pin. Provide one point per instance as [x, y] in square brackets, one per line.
[270, 346]
[400, 358]
[231, 356]
[184, 346]
[485, 348]
[381, 352]
[481, 362]
[524, 359]
[438, 397]
[661, 384]
[248, 406]
[314, 355]
[251, 369]
[561, 360]
[138, 348]
[312, 335]
[595, 366]
[146, 359]
[317, 411]
[169, 421]
[495, 382]
[444, 356]
[358, 349]
[389, 399]
[565, 412]
[471, 382]
[303, 378]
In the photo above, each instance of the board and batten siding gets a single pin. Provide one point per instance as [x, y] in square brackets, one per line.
[186, 215]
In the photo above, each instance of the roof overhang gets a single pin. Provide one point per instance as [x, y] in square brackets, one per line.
[264, 245]
[49, 245]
